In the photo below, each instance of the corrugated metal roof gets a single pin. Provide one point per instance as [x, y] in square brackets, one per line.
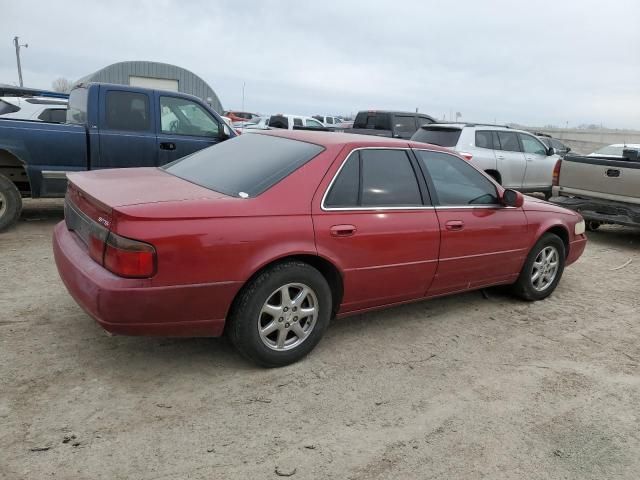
[188, 82]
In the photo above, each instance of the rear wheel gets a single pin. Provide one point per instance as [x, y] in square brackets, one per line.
[10, 203]
[542, 270]
[281, 315]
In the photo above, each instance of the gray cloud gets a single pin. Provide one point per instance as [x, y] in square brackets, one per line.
[536, 62]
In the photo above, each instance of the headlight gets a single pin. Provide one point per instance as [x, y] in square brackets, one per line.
[579, 228]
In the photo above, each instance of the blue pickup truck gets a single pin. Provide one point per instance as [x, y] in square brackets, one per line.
[108, 126]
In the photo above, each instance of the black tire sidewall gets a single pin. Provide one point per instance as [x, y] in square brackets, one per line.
[243, 330]
[524, 285]
[13, 203]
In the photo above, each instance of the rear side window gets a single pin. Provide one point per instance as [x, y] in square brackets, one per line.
[244, 166]
[127, 111]
[456, 182]
[278, 121]
[373, 121]
[297, 122]
[509, 141]
[443, 136]
[54, 115]
[77, 109]
[484, 139]
[376, 178]
[6, 107]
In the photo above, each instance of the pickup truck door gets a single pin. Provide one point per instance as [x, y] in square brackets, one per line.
[126, 129]
[184, 127]
[540, 166]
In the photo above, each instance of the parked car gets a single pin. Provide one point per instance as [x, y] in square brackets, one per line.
[108, 126]
[550, 142]
[328, 121]
[389, 124]
[42, 109]
[206, 245]
[614, 151]
[514, 158]
[261, 123]
[236, 116]
[291, 122]
[603, 188]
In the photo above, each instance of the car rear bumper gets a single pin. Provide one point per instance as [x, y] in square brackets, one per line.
[606, 211]
[131, 306]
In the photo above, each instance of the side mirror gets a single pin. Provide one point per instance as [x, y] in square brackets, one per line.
[551, 151]
[225, 132]
[511, 198]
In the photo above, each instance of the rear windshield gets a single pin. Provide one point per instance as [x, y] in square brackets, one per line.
[244, 166]
[373, 121]
[443, 136]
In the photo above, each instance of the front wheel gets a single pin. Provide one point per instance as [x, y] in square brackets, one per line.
[542, 270]
[281, 315]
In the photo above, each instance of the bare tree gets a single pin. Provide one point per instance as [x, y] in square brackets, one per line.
[62, 85]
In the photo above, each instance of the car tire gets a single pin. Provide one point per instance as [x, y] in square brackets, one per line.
[540, 275]
[266, 324]
[10, 203]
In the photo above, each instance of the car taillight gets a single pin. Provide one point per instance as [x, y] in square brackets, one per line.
[467, 156]
[129, 258]
[96, 247]
[555, 179]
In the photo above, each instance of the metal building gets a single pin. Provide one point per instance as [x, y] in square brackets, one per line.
[160, 76]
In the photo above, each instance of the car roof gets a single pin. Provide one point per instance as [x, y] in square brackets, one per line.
[352, 140]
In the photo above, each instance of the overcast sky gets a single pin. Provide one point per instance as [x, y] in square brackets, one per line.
[535, 62]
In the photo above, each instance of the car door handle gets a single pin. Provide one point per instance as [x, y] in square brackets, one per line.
[342, 230]
[454, 225]
[167, 146]
[500, 157]
[529, 159]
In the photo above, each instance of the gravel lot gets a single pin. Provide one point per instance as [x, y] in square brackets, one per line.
[458, 388]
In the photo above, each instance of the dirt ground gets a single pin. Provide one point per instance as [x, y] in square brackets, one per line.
[458, 388]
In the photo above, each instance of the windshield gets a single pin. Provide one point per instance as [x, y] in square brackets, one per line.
[245, 166]
[443, 136]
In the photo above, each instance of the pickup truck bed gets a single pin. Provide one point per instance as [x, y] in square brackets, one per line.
[602, 189]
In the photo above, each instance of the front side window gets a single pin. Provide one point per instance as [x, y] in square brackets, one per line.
[405, 124]
[456, 182]
[532, 145]
[180, 116]
[313, 123]
[509, 141]
[127, 111]
[376, 178]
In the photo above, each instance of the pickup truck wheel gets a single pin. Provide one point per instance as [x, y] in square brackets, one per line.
[10, 203]
[542, 270]
[281, 315]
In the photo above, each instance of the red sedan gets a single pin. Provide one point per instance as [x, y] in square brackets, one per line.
[268, 236]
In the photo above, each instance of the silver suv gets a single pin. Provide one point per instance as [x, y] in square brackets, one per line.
[515, 158]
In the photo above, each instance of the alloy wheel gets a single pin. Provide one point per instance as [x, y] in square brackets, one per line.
[545, 268]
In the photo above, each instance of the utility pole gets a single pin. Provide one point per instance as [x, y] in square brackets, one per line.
[17, 45]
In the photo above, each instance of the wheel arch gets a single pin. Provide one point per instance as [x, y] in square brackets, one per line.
[328, 269]
[15, 169]
[560, 231]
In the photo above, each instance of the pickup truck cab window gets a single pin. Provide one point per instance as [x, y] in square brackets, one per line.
[313, 123]
[375, 178]
[77, 108]
[180, 116]
[455, 182]
[404, 125]
[127, 111]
